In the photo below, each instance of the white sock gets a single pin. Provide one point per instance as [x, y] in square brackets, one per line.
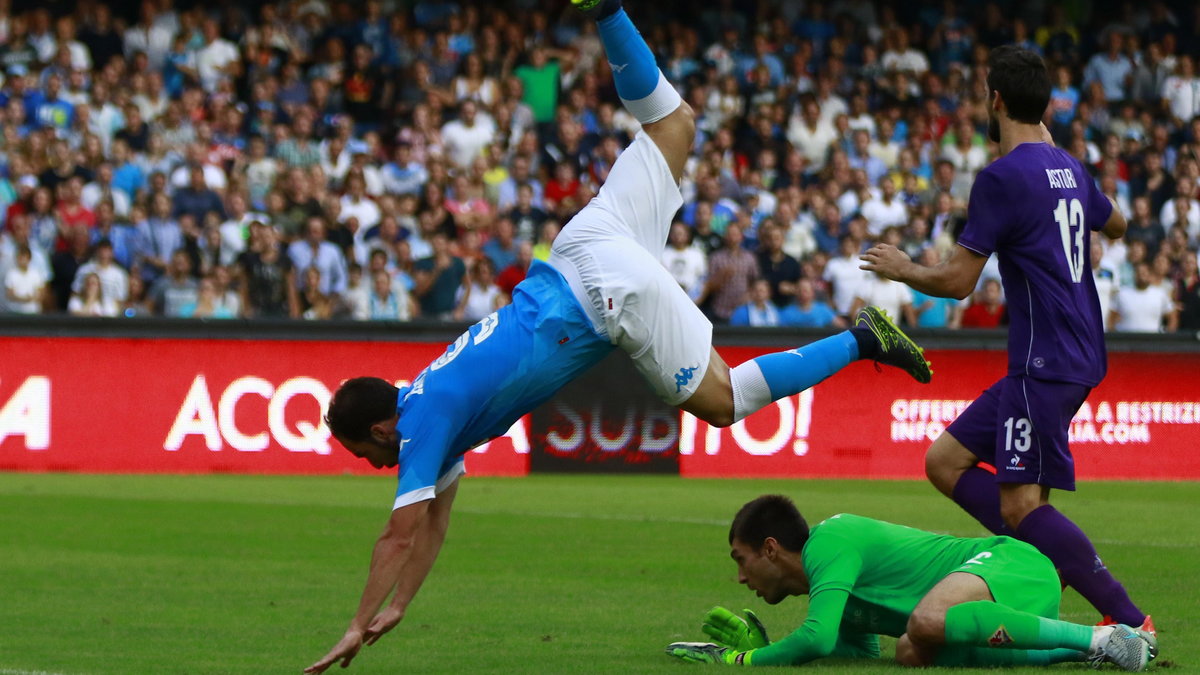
[661, 102]
[750, 390]
[1100, 635]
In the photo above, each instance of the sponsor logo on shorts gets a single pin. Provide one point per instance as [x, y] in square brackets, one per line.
[1000, 638]
[1015, 464]
[683, 377]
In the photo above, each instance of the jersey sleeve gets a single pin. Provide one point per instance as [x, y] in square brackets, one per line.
[832, 564]
[986, 211]
[1097, 208]
[424, 453]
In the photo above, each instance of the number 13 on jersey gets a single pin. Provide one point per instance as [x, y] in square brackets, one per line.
[1069, 216]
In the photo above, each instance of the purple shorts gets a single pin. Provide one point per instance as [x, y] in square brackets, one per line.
[1019, 425]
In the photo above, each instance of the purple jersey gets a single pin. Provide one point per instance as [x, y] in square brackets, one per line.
[1035, 208]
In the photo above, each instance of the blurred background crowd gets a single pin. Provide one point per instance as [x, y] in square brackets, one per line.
[393, 160]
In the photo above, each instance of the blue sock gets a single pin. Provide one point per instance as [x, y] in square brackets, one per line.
[635, 71]
[793, 371]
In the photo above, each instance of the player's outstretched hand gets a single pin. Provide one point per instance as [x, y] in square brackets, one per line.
[343, 651]
[382, 623]
[703, 652]
[731, 630]
[886, 260]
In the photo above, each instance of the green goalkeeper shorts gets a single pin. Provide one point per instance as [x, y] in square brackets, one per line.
[1018, 576]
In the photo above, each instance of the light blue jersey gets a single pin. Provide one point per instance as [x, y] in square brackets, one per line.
[500, 369]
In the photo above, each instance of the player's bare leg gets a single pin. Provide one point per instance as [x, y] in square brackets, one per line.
[674, 135]
[926, 630]
[713, 400]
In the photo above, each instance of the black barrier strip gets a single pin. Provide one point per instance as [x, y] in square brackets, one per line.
[435, 331]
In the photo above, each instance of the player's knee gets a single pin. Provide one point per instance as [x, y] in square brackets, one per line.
[906, 654]
[718, 415]
[938, 472]
[926, 627]
[681, 123]
[687, 117]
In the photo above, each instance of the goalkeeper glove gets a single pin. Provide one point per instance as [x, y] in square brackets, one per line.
[705, 652]
[733, 631]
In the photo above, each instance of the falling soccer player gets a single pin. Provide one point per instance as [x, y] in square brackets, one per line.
[602, 288]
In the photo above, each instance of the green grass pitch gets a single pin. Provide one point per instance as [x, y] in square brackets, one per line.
[545, 574]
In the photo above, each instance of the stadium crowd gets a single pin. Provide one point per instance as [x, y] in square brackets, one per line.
[393, 160]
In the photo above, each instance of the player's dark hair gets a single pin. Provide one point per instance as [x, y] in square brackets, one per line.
[359, 403]
[773, 516]
[1021, 78]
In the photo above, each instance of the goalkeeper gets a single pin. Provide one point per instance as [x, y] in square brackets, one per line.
[950, 601]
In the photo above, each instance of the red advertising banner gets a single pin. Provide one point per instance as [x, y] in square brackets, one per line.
[1141, 423]
[186, 406]
[183, 406]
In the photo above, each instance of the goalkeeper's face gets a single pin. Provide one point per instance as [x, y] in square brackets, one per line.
[760, 570]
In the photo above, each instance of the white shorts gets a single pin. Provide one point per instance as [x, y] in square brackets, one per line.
[610, 254]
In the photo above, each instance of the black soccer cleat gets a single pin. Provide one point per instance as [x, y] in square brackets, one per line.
[597, 9]
[895, 348]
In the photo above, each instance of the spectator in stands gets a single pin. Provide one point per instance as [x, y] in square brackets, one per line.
[684, 260]
[438, 279]
[65, 265]
[16, 238]
[114, 281]
[526, 216]
[931, 311]
[196, 198]
[501, 248]
[313, 251]
[161, 236]
[1144, 307]
[176, 289]
[90, 300]
[404, 175]
[314, 303]
[514, 274]
[987, 308]
[480, 295]
[466, 137]
[780, 270]
[844, 275]
[546, 236]
[885, 210]
[24, 285]
[385, 302]
[759, 310]
[207, 304]
[808, 311]
[731, 271]
[269, 287]
[1181, 91]
[892, 297]
[1187, 293]
[1112, 69]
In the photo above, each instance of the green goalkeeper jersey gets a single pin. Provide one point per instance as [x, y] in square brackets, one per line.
[865, 577]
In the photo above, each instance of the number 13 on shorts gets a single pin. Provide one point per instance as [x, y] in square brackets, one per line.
[1017, 433]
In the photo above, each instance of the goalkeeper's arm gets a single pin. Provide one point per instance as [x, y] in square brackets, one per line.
[816, 638]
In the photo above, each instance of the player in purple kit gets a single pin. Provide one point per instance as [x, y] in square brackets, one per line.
[1035, 207]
